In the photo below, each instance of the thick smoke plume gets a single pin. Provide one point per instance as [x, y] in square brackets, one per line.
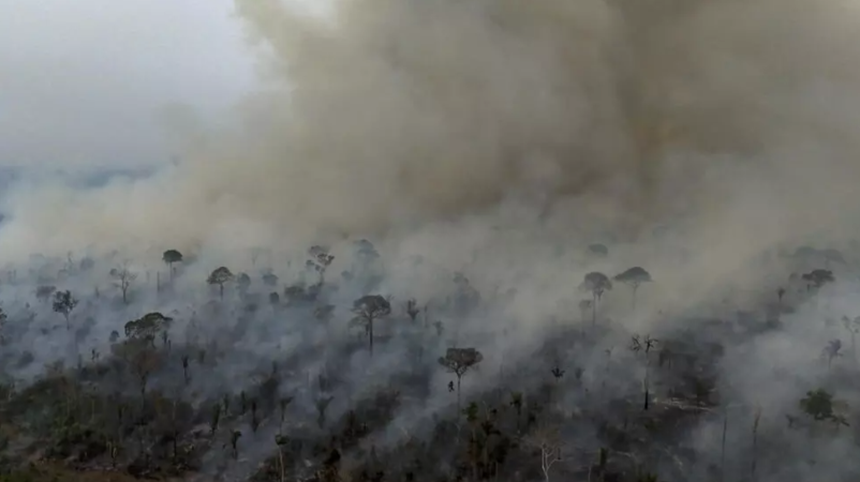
[397, 118]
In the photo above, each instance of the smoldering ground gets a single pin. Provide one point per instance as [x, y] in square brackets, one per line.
[498, 137]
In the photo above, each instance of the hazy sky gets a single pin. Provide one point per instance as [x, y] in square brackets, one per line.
[82, 81]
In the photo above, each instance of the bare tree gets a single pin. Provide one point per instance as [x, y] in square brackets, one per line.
[548, 442]
[368, 309]
[412, 310]
[831, 351]
[123, 278]
[458, 361]
[644, 346]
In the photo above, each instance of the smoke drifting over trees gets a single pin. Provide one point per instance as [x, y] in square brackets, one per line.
[441, 173]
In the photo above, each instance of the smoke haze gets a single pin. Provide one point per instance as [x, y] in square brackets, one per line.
[729, 120]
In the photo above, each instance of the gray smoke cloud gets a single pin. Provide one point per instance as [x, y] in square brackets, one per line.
[435, 124]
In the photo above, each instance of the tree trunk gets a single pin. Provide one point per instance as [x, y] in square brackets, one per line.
[281, 463]
[723, 447]
[854, 346]
[221, 291]
[370, 334]
[594, 310]
[458, 394]
[635, 287]
[647, 383]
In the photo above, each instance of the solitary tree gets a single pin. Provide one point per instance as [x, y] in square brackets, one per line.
[368, 309]
[644, 346]
[548, 441]
[220, 277]
[123, 277]
[458, 361]
[170, 257]
[818, 278]
[595, 283]
[634, 277]
[64, 304]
